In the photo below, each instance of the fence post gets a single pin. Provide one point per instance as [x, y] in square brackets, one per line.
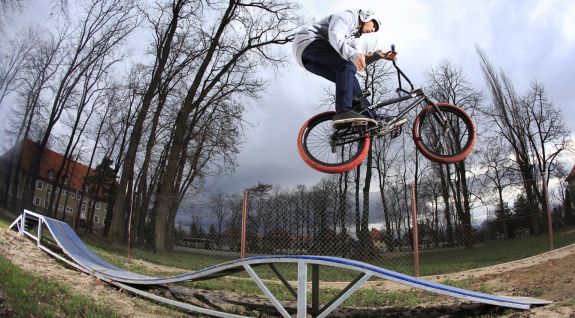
[414, 230]
[130, 225]
[244, 222]
[548, 208]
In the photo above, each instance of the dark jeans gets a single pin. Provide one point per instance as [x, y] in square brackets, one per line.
[322, 59]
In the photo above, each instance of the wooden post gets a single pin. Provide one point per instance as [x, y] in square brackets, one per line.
[244, 222]
[130, 225]
[548, 208]
[414, 231]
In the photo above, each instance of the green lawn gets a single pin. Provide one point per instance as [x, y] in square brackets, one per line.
[33, 296]
[431, 261]
[5, 221]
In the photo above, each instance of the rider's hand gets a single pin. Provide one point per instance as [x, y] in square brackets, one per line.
[388, 55]
[360, 62]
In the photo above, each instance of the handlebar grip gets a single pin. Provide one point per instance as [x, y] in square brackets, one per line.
[393, 48]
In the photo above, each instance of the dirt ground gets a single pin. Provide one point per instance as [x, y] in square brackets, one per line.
[548, 276]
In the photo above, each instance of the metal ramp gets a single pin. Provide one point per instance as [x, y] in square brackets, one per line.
[82, 258]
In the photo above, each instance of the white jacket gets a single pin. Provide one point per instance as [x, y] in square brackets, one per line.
[340, 29]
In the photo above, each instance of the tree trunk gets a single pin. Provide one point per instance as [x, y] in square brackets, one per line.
[117, 225]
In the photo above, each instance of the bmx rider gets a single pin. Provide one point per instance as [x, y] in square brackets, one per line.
[327, 48]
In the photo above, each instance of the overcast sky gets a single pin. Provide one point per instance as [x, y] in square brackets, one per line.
[528, 39]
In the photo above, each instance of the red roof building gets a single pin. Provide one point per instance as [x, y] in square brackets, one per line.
[50, 164]
[71, 183]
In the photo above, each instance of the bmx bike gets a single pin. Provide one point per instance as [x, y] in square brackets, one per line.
[443, 133]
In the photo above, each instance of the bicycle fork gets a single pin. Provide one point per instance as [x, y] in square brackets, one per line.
[446, 135]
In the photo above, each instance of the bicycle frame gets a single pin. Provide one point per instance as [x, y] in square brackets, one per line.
[413, 93]
[418, 94]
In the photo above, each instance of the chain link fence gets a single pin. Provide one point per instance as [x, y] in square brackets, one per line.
[323, 220]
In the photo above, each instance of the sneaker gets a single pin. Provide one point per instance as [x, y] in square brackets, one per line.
[350, 118]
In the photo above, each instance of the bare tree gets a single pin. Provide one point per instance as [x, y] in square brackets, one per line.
[103, 117]
[499, 175]
[548, 134]
[13, 60]
[218, 207]
[106, 23]
[94, 83]
[385, 157]
[165, 25]
[225, 71]
[40, 66]
[448, 84]
[534, 129]
[506, 113]
[7, 7]
[373, 80]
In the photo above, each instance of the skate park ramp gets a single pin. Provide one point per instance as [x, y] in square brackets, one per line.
[75, 253]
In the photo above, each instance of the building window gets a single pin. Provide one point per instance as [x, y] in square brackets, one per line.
[51, 174]
[37, 201]
[83, 207]
[98, 205]
[49, 188]
[69, 210]
[66, 179]
[96, 219]
[72, 195]
[39, 185]
[61, 207]
[64, 193]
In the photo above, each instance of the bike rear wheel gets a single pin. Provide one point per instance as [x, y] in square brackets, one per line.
[330, 151]
[444, 136]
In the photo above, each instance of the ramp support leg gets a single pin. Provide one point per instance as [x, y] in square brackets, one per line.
[314, 289]
[266, 291]
[23, 223]
[39, 232]
[301, 289]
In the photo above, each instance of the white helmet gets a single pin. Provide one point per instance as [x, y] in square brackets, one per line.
[368, 15]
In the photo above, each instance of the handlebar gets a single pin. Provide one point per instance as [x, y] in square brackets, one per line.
[400, 74]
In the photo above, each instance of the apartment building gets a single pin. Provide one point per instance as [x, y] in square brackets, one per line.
[72, 195]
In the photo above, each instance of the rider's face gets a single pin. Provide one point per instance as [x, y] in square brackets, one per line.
[368, 27]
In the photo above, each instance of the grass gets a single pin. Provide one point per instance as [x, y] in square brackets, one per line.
[33, 296]
[362, 298]
[432, 262]
[490, 253]
[4, 221]
[117, 255]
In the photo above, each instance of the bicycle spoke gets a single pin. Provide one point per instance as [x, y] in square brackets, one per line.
[445, 135]
[319, 144]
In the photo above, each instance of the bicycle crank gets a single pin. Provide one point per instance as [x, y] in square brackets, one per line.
[391, 126]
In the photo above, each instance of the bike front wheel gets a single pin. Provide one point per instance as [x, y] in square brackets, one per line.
[328, 150]
[445, 134]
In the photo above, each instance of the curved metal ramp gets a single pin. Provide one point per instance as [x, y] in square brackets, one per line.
[81, 257]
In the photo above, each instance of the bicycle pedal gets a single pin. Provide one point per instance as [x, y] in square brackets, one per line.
[359, 123]
[400, 122]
